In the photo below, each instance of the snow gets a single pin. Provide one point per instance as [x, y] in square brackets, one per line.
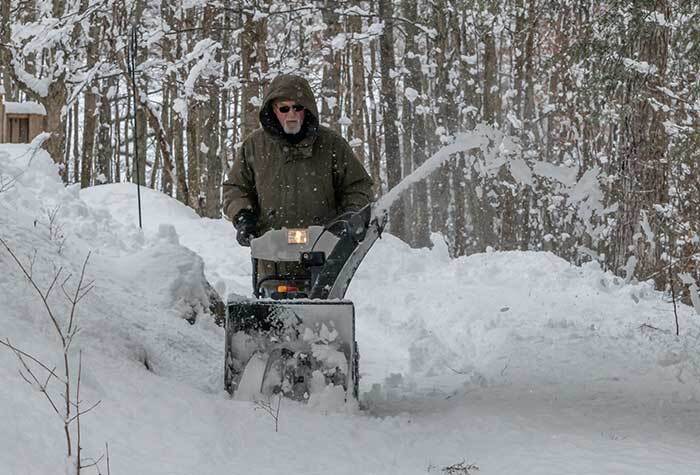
[39, 86]
[411, 94]
[203, 52]
[338, 41]
[564, 175]
[642, 67]
[521, 172]
[24, 108]
[479, 138]
[514, 121]
[517, 362]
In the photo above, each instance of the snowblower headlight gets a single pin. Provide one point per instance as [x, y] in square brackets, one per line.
[297, 236]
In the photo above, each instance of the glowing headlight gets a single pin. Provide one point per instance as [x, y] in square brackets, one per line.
[297, 236]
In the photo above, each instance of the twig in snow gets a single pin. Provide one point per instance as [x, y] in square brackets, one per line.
[274, 412]
[457, 372]
[461, 468]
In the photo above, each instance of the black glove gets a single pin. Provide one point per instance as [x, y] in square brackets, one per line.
[245, 223]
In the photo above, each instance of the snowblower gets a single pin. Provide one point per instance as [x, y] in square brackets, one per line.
[297, 335]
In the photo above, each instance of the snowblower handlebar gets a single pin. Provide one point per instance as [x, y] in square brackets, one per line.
[326, 252]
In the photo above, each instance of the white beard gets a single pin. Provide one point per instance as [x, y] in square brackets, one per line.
[291, 128]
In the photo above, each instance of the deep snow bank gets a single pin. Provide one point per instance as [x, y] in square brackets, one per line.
[518, 318]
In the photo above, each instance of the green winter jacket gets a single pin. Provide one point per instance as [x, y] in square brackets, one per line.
[291, 184]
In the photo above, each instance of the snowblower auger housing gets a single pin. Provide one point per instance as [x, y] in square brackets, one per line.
[297, 335]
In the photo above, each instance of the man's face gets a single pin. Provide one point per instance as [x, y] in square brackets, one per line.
[290, 114]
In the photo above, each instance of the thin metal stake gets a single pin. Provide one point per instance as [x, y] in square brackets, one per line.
[132, 66]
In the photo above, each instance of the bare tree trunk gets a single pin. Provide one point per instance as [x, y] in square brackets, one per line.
[76, 142]
[27, 14]
[118, 139]
[212, 126]
[254, 64]
[375, 169]
[357, 128]
[5, 54]
[492, 97]
[235, 110]
[224, 114]
[105, 149]
[345, 91]
[643, 146]
[529, 59]
[517, 52]
[179, 147]
[167, 142]
[141, 132]
[165, 121]
[460, 244]
[90, 104]
[508, 201]
[127, 123]
[461, 184]
[172, 51]
[55, 103]
[414, 141]
[141, 143]
[250, 89]
[528, 114]
[103, 166]
[155, 170]
[191, 130]
[440, 183]
[69, 132]
[193, 152]
[330, 99]
[390, 115]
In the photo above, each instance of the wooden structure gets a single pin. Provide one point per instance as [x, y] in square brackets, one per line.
[20, 122]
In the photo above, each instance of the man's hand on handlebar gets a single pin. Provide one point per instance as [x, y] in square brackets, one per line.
[246, 223]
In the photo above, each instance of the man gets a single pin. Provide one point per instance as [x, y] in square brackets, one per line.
[292, 172]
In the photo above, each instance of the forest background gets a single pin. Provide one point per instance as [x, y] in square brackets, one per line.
[593, 109]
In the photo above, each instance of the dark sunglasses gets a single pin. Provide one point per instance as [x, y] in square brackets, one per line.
[285, 109]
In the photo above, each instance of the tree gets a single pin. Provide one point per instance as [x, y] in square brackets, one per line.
[90, 97]
[356, 132]
[414, 129]
[330, 85]
[643, 142]
[254, 67]
[211, 112]
[390, 113]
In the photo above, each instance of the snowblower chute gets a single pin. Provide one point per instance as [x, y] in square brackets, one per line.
[297, 336]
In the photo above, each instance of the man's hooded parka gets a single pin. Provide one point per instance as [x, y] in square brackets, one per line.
[294, 180]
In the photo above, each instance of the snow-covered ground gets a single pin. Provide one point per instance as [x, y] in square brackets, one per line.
[516, 362]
